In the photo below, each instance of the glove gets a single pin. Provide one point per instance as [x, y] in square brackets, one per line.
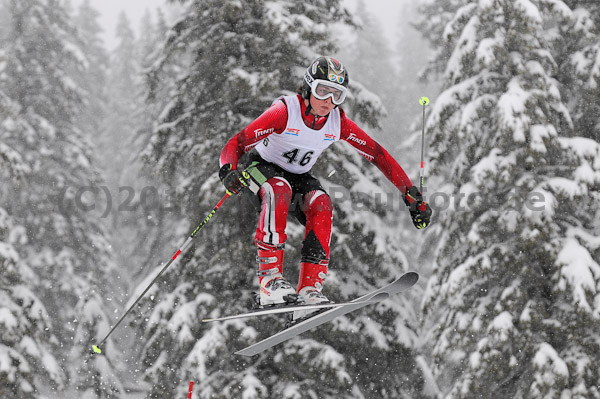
[232, 179]
[420, 212]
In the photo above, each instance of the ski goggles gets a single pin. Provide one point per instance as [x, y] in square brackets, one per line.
[323, 89]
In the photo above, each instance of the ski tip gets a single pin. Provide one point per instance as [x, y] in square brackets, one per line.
[249, 351]
[96, 349]
[411, 277]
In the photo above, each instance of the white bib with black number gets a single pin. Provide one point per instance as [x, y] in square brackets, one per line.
[297, 148]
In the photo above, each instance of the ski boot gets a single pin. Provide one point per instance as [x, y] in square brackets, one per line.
[310, 286]
[274, 289]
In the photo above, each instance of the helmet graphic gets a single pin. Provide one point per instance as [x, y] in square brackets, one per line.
[326, 72]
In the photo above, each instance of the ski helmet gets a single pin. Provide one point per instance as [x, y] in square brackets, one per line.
[325, 69]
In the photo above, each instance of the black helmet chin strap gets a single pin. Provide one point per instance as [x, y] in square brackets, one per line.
[306, 96]
[308, 108]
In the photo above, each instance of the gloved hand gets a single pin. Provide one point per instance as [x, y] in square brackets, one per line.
[232, 179]
[420, 212]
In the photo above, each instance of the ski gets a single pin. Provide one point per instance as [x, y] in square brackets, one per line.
[403, 283]
[279, 309]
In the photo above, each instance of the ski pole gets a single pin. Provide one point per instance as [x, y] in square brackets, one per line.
[424, 101]
[97, 348]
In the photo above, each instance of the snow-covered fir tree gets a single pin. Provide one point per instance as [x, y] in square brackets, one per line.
[412, 54]
[579, 71]
[369, 60]
[150, 37]
[161, 27]
[125, 131]
[512, 307]
[64, 249]
[125, 104]
[413, 83]
[27, 360]
[580, 75]
[93, 80]
[578, 43]
[233, 58]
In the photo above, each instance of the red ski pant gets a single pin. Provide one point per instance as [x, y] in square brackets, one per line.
[302, 195]
[277, 196]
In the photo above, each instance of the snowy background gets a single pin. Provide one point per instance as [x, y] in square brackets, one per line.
[112, 117]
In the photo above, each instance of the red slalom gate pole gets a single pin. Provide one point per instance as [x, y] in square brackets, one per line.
[190, 390]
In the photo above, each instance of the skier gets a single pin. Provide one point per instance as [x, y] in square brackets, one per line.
[282, 145]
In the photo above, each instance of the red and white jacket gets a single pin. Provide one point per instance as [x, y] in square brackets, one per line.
[274, 121]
